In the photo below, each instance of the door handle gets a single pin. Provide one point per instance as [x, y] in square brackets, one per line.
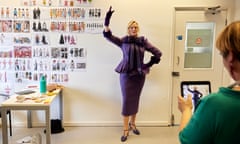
[175, 74]
[178, 60]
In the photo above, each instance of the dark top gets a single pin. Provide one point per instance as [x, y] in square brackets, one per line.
[215, 121]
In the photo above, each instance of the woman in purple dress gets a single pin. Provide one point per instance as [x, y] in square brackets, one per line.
[132, 70]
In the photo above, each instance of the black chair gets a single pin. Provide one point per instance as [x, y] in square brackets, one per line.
[8, 113]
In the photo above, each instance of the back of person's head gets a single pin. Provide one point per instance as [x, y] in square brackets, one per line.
[229, 40]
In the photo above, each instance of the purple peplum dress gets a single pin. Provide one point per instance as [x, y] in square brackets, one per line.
[132, 69]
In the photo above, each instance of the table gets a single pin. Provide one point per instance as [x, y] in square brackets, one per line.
[30, 104]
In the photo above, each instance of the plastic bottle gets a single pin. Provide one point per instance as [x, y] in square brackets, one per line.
[43, 85]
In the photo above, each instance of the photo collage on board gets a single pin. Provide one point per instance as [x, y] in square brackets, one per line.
[40, 37]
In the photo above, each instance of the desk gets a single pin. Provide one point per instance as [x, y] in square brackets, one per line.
[29, 105]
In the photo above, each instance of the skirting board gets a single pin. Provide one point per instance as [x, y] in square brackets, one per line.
[99, 124]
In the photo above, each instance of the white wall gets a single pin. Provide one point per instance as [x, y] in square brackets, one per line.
[93, 97]
[237, 10]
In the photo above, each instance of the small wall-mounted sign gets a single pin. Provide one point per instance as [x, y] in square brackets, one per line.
[179, 37]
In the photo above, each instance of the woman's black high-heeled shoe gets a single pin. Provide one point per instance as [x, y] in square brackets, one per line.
[134, 129]
[125, 135]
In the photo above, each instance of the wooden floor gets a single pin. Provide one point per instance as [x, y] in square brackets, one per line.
[101, 135]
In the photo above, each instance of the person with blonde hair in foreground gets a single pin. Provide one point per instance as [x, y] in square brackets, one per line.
[216, 119]
[132, 70]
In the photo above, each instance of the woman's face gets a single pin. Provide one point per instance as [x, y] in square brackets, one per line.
[133, 30]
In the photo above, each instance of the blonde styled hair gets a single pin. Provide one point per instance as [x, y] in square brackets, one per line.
[229, 40]
[130, 24]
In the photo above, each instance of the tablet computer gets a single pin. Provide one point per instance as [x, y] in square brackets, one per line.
[197, 90]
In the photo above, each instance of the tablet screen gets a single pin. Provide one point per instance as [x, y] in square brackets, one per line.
[197, 90]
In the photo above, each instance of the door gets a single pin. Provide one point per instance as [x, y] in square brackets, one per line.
[195, 56]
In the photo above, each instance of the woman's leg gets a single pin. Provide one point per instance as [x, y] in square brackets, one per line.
[132, 125]
[125, 122]
[133, 119]
[125, 128]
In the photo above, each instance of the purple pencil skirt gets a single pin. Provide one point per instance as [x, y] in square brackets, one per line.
[131, 87]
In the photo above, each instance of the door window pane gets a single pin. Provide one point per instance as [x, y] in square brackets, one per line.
[199, 45]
